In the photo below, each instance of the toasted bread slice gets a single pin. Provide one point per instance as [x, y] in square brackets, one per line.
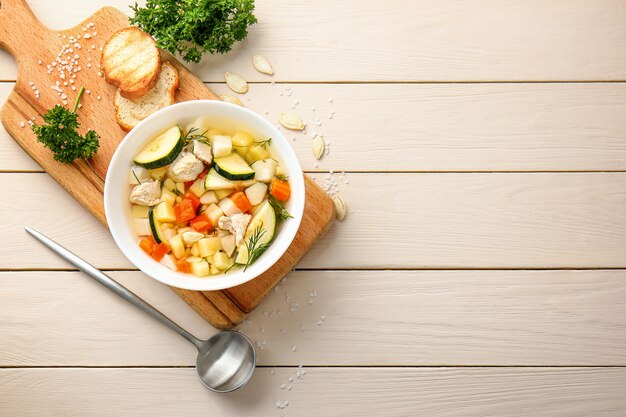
[130, 60]
[130, 112]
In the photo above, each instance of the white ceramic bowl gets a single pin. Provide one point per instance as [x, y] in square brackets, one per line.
[228, 117]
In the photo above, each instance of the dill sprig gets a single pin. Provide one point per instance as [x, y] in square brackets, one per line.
[281, 213]
[254, 248]
[264, 143]
[191, 135]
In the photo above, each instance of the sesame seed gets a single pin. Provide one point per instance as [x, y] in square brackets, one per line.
[99, 98]
[22, 124]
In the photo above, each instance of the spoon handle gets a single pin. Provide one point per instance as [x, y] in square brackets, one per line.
[112, 285]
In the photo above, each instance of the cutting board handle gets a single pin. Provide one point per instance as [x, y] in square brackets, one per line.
[18, 26]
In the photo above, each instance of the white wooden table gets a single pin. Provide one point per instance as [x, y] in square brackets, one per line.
[481, 269]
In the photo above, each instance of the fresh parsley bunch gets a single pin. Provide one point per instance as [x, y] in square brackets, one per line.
[192, 27]
[60, 134]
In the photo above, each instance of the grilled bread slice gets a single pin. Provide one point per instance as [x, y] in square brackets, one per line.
[130, 61]
[130, 112]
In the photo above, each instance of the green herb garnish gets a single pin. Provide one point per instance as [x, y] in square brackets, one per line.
[60, 134]
[281, 213]
[176, 191]
[264, 143]
[254, 247]
[191, 135]
[282, 177]
[135, 175]
[192, 27]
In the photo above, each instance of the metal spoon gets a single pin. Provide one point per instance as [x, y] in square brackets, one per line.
[225, 361]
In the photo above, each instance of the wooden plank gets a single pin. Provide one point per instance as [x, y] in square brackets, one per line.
[560, 392]
[567, 220]
[395, 318]
[439, 127]
[412, 41]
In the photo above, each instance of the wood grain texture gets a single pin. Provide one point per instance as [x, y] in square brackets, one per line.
[566, 220]
[84, 179]
[560, 392]
[439, 127]
[420, 40]
[452, 318]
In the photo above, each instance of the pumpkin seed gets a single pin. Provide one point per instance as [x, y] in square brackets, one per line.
[318, 146]
[340, 207]
[262, 64]
[231, 99]
[291, 121]
[236, 83]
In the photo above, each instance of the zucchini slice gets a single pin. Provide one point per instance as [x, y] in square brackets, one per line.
[214, 181]
[265, 221]
[233, 167]
[163, 149]
[155, 226]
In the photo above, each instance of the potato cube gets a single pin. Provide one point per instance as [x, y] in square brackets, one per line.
[256, 193]
[140, 211]
[257, 152]
[222, 146]
[219, 194]
[200, 269]
[222, 261]
[197, 188]
[214, 213]
[158, 173]
[164, 212]
[167, 195]
[208, 246]
[208, 198]
[177, 246]
[194, 249]
[228, 207]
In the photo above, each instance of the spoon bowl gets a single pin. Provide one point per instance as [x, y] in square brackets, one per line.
[226, 361]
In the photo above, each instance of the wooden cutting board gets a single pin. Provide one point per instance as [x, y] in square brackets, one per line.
[35, 47]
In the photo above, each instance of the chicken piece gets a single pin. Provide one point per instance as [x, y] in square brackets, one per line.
[146, 194]
[185, 168]
[202, 151]
[236, 224]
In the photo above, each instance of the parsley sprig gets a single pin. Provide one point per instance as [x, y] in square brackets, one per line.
[60, 134]
[192, 27]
